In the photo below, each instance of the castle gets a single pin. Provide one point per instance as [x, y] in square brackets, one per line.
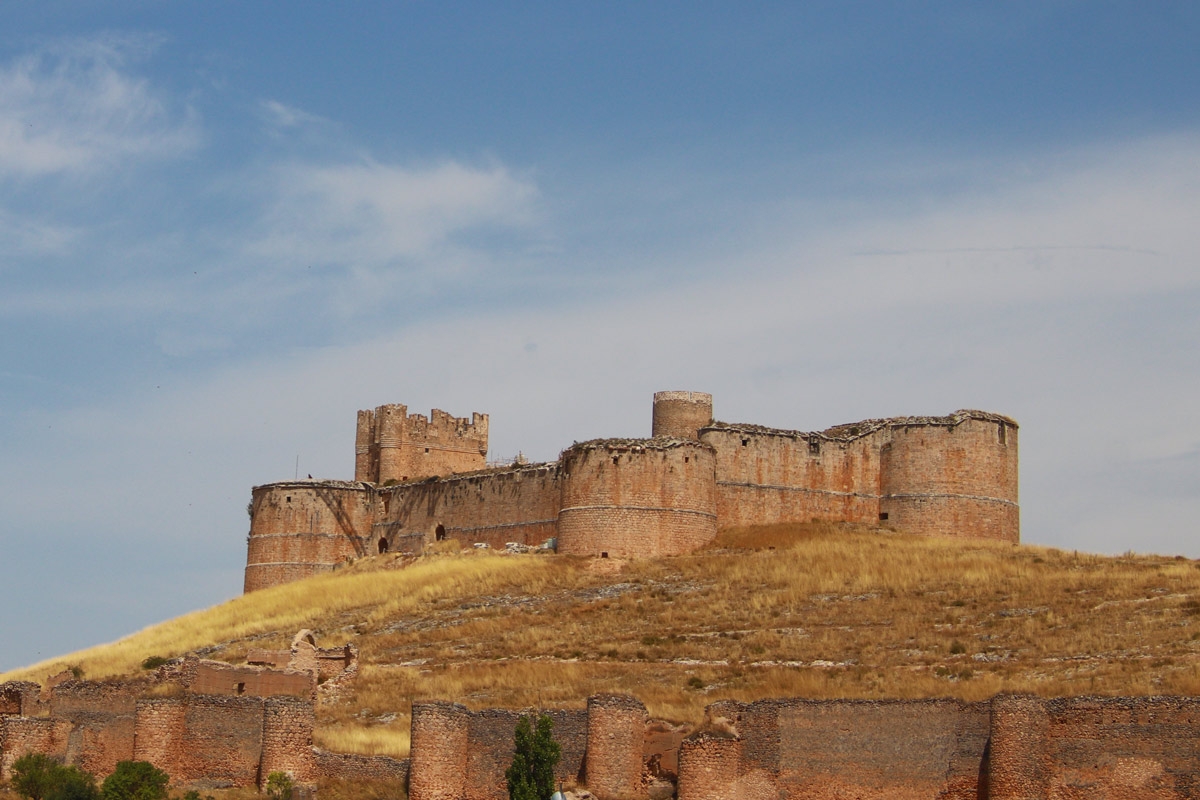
[422, 479]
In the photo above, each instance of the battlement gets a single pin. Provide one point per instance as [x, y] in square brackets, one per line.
[424, 479]
[393, 445]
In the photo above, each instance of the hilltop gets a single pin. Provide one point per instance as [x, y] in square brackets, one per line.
[819, 611]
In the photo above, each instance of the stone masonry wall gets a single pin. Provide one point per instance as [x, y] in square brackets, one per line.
[393, 445]
[21, 735]
[637, 498]
[1103, 747]
[518, 504]
[952, 480]
[766, 476]
[301, 528]
[954, 475]
[837, 749]
[681, 415]
[202, 741]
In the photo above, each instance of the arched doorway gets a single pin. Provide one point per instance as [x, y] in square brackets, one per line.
[383, 545]
[440, 533]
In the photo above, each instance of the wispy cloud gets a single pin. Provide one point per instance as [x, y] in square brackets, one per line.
[75, 106]
[371, 216]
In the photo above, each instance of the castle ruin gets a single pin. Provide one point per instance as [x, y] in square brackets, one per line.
[422, 479]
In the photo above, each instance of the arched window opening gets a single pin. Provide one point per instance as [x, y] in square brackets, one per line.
[440, 534]
[383, 545]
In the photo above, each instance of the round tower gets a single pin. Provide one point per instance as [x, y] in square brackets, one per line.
[681, 414]
[629, 498]
[300, 528]
[952, 476]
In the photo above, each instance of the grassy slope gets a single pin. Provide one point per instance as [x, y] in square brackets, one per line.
[817, 611]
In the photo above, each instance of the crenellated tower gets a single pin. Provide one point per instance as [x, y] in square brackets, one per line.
[392, 445]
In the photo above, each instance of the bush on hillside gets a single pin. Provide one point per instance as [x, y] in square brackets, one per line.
[135, 780]
[38, 777]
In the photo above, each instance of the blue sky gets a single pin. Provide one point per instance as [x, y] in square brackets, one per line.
[225, 227]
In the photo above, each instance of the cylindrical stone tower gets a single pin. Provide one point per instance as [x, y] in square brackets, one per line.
[300, 528]
[952, 476]
[681, 414]
[616, 733]
[438, 770]
[630, 498]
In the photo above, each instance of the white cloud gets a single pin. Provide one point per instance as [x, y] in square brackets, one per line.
[75, 106]
[372, 215]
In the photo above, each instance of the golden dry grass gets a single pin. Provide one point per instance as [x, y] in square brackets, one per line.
[805, 610]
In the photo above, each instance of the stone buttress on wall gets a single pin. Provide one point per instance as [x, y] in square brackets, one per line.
[954, 476]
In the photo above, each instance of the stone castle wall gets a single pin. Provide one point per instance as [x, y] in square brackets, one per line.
[767, 476]
[643, 497]
[951, 476]
[944, 479]
[301, 528]
[515, 504]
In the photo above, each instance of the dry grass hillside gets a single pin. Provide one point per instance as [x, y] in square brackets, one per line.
[809, 610]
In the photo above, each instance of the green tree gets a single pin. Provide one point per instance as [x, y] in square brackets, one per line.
[39, 777]
[531, 774]
[135, 780]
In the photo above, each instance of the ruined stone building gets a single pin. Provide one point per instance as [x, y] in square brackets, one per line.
[419, 480]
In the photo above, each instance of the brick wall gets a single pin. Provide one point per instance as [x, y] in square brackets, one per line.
[631, 498]
[215, 677]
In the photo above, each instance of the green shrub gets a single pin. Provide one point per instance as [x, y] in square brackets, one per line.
[154, 662]
[279, 786]
[135, 780]
[38, 777]
[531, 774]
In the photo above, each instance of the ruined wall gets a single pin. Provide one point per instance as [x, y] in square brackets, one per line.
[519, 504]
[836, 749]
[954, 478]
[102, 717]
[1095, 746]
[21, 735]
[287, 739]
[355, 767]
[300, 528]
[393, 445]
[637, 497]
[216, 677]
[766, 476]
[202, 741]
[462, 755]
[681, 415]
[20, 698]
